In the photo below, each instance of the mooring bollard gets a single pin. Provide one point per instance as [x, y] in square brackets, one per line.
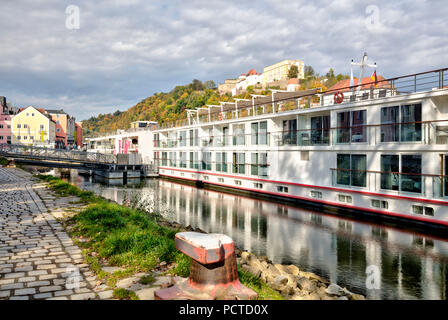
[213, 272]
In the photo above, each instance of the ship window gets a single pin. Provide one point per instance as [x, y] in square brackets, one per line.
[409, 179]
[417, 209]
[238, 182]
[429, 211]
[289, 132]
[316, 194]
[206, 161]
[380, 204]
[351, 126]
[344, 198]
[406, 128]
[351, 170]
[220, 180]
[258, 185]
[282, 189]
[239, 163]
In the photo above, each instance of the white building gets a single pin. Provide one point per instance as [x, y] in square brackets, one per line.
[245, 80]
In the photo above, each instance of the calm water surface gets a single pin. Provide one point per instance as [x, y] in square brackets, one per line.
[412, 265]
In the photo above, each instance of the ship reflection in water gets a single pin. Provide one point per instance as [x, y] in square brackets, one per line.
[412, 266]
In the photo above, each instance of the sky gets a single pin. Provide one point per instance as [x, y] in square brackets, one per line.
[121, 51]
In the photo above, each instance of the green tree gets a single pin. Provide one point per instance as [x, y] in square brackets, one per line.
[209, 84]
[293, 72]
[309, 71]
[197, 85]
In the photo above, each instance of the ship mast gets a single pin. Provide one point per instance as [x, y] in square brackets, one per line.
[362, 65]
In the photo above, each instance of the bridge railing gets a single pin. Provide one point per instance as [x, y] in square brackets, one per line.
[24, 151]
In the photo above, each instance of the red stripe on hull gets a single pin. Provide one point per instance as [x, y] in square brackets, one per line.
[439, 202]
[333, 204]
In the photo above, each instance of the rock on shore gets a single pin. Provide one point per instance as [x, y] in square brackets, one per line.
[293, 283]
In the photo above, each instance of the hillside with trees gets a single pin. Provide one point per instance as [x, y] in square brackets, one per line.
[171, 106]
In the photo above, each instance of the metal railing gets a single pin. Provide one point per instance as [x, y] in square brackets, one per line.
[399, 182]
[219, 141]
[31, 152]
[249, 169]
[425, 132]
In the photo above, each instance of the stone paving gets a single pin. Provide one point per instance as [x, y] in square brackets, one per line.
[38, 259]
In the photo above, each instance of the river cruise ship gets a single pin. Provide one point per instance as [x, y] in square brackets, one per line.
[379, 147]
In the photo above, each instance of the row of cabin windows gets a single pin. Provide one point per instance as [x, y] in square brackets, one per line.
[258, 165]
[258, 135]
[398, 172]
[398, 123]
[2, 126]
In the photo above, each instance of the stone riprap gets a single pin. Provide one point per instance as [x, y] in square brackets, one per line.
[38, 259]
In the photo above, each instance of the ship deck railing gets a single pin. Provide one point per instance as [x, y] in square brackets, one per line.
[403, 183]
[252, 169]
[423, 132]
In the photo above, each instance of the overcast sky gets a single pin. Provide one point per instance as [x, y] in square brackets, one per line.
[126, 50]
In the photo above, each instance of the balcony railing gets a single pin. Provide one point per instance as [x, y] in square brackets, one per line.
[247, 169]
[424, 132]
[399, 182]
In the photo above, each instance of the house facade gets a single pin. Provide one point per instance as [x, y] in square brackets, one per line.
[33, 126]
[65, 128]
[6, 113]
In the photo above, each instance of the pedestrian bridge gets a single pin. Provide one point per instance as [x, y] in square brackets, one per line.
[60, 158]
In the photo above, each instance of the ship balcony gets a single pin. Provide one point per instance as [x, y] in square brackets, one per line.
[418, 132]
[407, 183]
[243, 169]
[434, 132]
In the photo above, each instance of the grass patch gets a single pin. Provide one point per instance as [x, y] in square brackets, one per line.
[147, 279]
[4, 161]
[124, 294]
[63, 188]
[259, 286]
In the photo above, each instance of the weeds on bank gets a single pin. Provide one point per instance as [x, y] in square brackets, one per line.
[124, 294]
[63, 188]
[259, 286]
[4, 161]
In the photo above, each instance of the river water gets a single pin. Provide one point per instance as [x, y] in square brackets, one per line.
[379, 261]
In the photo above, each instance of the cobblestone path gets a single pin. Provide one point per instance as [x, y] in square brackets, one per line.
[38, 260]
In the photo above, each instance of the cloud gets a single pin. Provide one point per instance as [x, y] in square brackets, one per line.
[125, 51]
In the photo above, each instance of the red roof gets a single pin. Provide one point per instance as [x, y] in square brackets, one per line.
[366, 83]
[252, 72]
[293, 81]
[41, 110]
